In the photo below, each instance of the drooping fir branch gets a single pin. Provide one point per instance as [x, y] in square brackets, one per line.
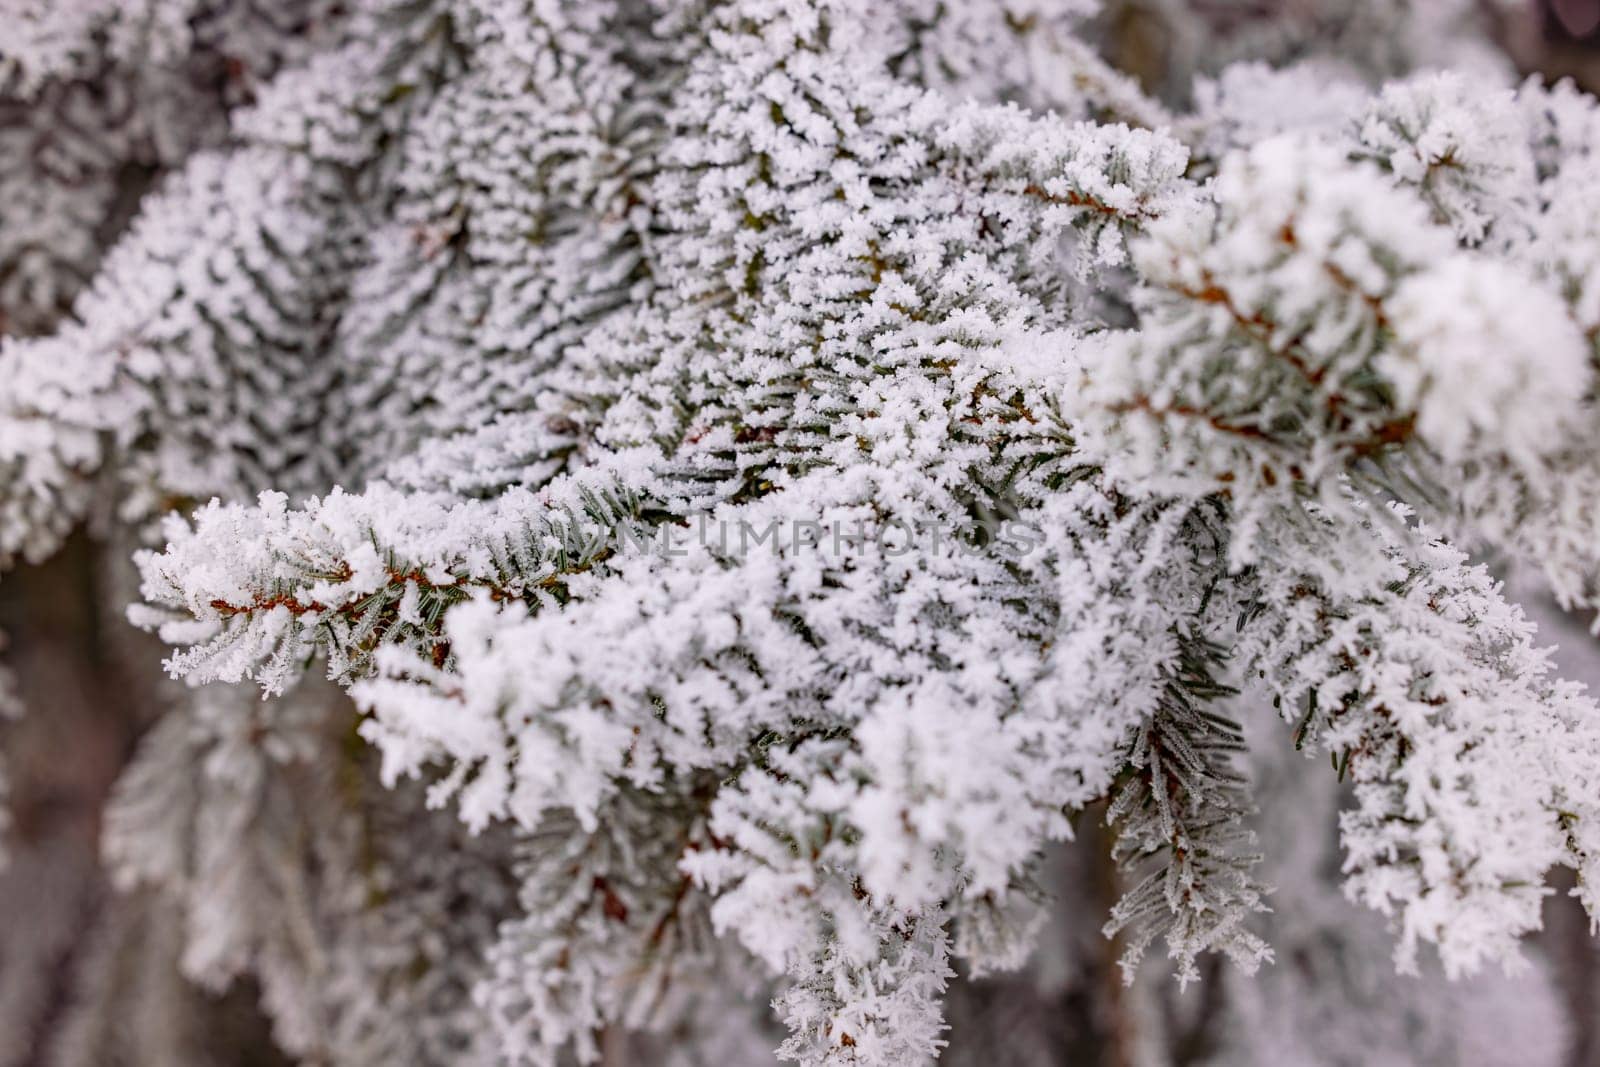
[1468, 760]
[1179, 815]
[283, 859]
[612, 933]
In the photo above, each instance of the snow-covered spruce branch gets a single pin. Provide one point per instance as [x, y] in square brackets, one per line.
[1324, 325]
[348, 574]
[1302, 334]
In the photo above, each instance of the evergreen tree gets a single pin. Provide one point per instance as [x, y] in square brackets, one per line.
[768, 472]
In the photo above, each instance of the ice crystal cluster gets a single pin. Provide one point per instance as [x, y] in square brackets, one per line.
[765, 470]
